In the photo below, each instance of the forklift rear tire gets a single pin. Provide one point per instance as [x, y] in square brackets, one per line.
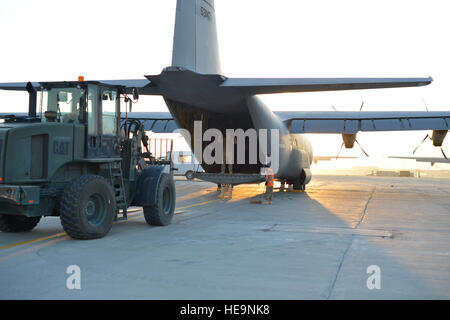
[161, 213]
[87, 208]
[10, 223]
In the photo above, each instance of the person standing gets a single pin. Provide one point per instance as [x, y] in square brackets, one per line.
[269, 186]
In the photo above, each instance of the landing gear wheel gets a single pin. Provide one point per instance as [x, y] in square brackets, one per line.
[298, 186]
[87, 208]
[161, 213]
[10, 223]
[190, 175]
[300, 183]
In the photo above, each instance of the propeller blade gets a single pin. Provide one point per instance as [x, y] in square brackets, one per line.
[367, 155]
[425, 104]
[333, 108]
[424, 139]
[362, 106]
[342, 145]
[445, 156]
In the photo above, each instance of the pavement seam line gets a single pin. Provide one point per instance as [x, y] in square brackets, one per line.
[330, 292]
[365, 208]
[341, 262]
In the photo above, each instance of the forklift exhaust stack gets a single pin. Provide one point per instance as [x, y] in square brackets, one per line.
[32, 100]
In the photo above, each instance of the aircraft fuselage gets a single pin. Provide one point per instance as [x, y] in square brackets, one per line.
[194, 97]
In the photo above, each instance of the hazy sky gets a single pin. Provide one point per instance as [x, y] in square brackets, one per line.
[50, 40]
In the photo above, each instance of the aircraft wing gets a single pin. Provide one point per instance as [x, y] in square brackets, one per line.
[158, 122]
[424, 159]
[329, 158]
[283, 85]
[353, 122]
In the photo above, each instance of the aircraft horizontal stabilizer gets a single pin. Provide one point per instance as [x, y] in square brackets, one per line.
[18, 86]
[280, 85]
[248, 86]
[144, 85]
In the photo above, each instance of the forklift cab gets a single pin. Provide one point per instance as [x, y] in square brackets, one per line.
[94, 105]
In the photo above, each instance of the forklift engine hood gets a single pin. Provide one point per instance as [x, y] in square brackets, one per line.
[30, 153]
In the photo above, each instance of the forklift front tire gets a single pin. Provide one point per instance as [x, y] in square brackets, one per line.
[88, 208]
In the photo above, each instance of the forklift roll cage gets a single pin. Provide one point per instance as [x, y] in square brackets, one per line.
[87, 107]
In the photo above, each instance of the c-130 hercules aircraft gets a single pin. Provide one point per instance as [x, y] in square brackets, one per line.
[195, 89]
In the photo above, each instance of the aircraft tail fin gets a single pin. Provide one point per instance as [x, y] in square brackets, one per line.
[195, 45]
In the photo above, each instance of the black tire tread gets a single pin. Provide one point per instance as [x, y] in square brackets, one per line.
[10, 223]
[68, 209]
[189, 175]
[152, 214]
[299, 186]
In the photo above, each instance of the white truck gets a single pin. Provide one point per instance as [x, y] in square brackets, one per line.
[185, 163]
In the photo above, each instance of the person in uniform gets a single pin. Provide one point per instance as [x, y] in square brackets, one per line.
[269, 186]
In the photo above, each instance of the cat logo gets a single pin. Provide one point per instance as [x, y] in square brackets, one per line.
[61, 145]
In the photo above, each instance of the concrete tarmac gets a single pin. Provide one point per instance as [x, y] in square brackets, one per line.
[313, 245]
